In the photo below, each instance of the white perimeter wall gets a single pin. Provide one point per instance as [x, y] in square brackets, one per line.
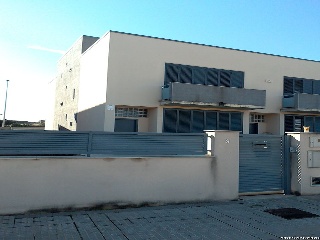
[31, 183]
[301, 173]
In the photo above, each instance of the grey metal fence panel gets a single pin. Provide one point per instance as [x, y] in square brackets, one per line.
[111, 144]
[261, 163]
[148, 144]
[42, 143]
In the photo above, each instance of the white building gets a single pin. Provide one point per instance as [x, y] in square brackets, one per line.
[129, 83]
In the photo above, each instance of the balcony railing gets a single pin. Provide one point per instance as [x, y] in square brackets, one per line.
[301, 102]
[201, 95]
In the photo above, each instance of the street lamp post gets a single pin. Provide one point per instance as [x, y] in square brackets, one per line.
[5, 106]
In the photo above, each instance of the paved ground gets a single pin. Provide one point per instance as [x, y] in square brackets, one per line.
[243, 219]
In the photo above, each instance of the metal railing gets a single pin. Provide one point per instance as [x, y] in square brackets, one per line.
[51, 143]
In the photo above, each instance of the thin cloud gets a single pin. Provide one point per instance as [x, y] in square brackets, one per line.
[46, 49]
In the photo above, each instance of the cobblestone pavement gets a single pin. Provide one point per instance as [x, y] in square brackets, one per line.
[242, 219]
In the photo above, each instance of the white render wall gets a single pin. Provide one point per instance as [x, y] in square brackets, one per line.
[42, 183]
[301, 173]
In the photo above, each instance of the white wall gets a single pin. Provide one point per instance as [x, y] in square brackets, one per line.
[39, 183]
[301, 173]
[93, 74]
[224, 146]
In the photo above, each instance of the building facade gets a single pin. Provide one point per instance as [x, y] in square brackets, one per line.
[134, 83]
[67, 85]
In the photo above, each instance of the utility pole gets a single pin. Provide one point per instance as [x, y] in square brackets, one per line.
[5, 106]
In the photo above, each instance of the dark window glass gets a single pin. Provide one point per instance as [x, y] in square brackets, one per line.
[308, 122]
[170, 120]
[223, 121]
[317, 124]
[199, 76]
[307, 86]
[185, 74]
[184, 124]
[316, 87]
[197, 121]
[211, 121]
[298, 124]
[236, 121]
[288, 123]
[237, 79]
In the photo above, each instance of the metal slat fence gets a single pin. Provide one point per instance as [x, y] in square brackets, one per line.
[43, 143]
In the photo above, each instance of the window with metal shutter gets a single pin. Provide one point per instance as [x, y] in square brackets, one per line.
[287, 86]
[212, 77]
[185, 74]
[199, 76]
[225, 78]
[170, 120]
[171, 73]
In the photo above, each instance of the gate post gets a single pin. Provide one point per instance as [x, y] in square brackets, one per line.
[224, 148]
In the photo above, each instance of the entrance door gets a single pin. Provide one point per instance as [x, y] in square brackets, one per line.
[126, 125]
[261, 163]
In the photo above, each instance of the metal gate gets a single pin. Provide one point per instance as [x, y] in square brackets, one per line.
[261, 163]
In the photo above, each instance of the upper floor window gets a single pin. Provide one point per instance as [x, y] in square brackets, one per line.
[293, 85]
[202, 75]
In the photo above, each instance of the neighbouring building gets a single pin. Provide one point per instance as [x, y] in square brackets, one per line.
[67, 85]
[125, 82]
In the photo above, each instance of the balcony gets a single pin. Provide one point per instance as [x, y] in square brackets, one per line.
[301, 102]
[224, 97]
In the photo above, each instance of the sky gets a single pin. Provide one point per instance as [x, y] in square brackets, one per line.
[34, 35]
